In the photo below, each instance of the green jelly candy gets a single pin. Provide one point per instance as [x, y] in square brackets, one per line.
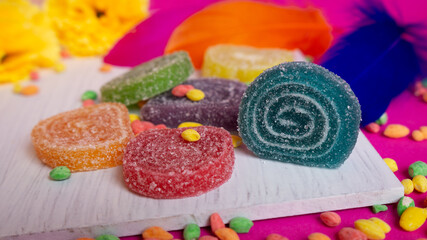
[404, 203]
[382, 120]
[107, 237]
[379, 208]
[191, 232]
[241, 224]
[300, 113]
[148, 79]
[89, 95]
[417, 168]
[60, 173]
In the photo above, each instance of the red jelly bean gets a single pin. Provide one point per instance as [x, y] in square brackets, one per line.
[88, 102]
[160, 164]
[181, 90]
[140, 126]
[348, 233]
[275, 236]
[216, 222]
[373, 128]
[160, 126]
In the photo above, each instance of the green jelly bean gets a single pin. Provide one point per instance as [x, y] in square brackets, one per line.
[424, 82]
[60, 173]
[89, 95]
[241, 224]
[404, 203]
[418, 168]
[107, 237]
[379, 208]
[382, 120]
[191, 232]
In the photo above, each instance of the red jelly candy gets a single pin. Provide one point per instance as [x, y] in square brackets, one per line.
[160, 164]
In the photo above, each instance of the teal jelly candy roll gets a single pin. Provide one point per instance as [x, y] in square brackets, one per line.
[300, 113]
[148, 79]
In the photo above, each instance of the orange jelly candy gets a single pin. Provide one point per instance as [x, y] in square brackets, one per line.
[84, 139]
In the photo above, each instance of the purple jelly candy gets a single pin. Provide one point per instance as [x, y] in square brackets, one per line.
[219, 108]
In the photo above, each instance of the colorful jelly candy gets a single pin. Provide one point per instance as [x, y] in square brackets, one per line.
[301, 113]
[244, 63]
[84, 139]
[219, 108]
[148, 79]
[159, 163]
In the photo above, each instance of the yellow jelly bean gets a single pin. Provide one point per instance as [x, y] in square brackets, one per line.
[189, 124]
[190, 135]
[17, 87]
[237, 141]
[384, 226]
[133, 117]
[370, 228]
[408, 186]
[417, 135]
[413, 218]
[420, 183]
[391, 164]
[195, 95]
[396, 131]
[59, 67]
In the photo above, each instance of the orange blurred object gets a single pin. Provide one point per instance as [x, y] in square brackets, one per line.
[253, 24]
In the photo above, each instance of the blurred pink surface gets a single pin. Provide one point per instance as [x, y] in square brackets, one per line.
[405, 109]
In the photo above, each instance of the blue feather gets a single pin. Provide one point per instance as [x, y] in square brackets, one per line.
[376, 61]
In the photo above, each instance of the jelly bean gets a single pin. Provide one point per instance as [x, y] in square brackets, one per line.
[89, 95]
[417, 168]
[140, 126]
[226, 234]
[275, 236]
[396, 131]
[65, 53]
[190, 135]
[237, 140]
[29, 90]
[105, 68]
[195, 95]
[425, 97]
[379, 208]
[404, 203]
[391, 164]
[191, 232]
[408, 186]
[189, 124]
[59, 67]
[207, 237]
[330, 219]
[373, 128]
[216, 222]
[423, 130]
[241, 224]
[88, 102]
[17, 87]
[413, 218]
[420, 183]
[382, 120]
[318, 236]
[348, 233]
[34, 76]
[156, 232]
[60, 173]
[181, 90]
[384, 226]
[370, 228]
[107, 237]
[133, 117]
[417, 135]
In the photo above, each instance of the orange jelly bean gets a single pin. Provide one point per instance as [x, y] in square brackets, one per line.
[29, 90]
[226, 234]
[84, 139]
[156, 233]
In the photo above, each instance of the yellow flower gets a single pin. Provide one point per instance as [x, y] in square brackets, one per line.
[91, 27]
[26, 40]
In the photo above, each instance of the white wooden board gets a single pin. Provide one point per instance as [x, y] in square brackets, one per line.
[93, 203]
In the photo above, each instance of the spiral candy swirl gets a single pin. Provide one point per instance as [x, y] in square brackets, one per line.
[300, 113]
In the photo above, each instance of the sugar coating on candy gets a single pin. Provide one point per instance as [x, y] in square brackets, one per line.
[84, 139]
[159, 163]
[300, 113]
[244, 63]
[219, 108]
[148, 79]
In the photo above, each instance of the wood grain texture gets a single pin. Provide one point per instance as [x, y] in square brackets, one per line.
[98, 202]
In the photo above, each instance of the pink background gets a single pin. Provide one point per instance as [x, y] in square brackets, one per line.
[405, 109]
